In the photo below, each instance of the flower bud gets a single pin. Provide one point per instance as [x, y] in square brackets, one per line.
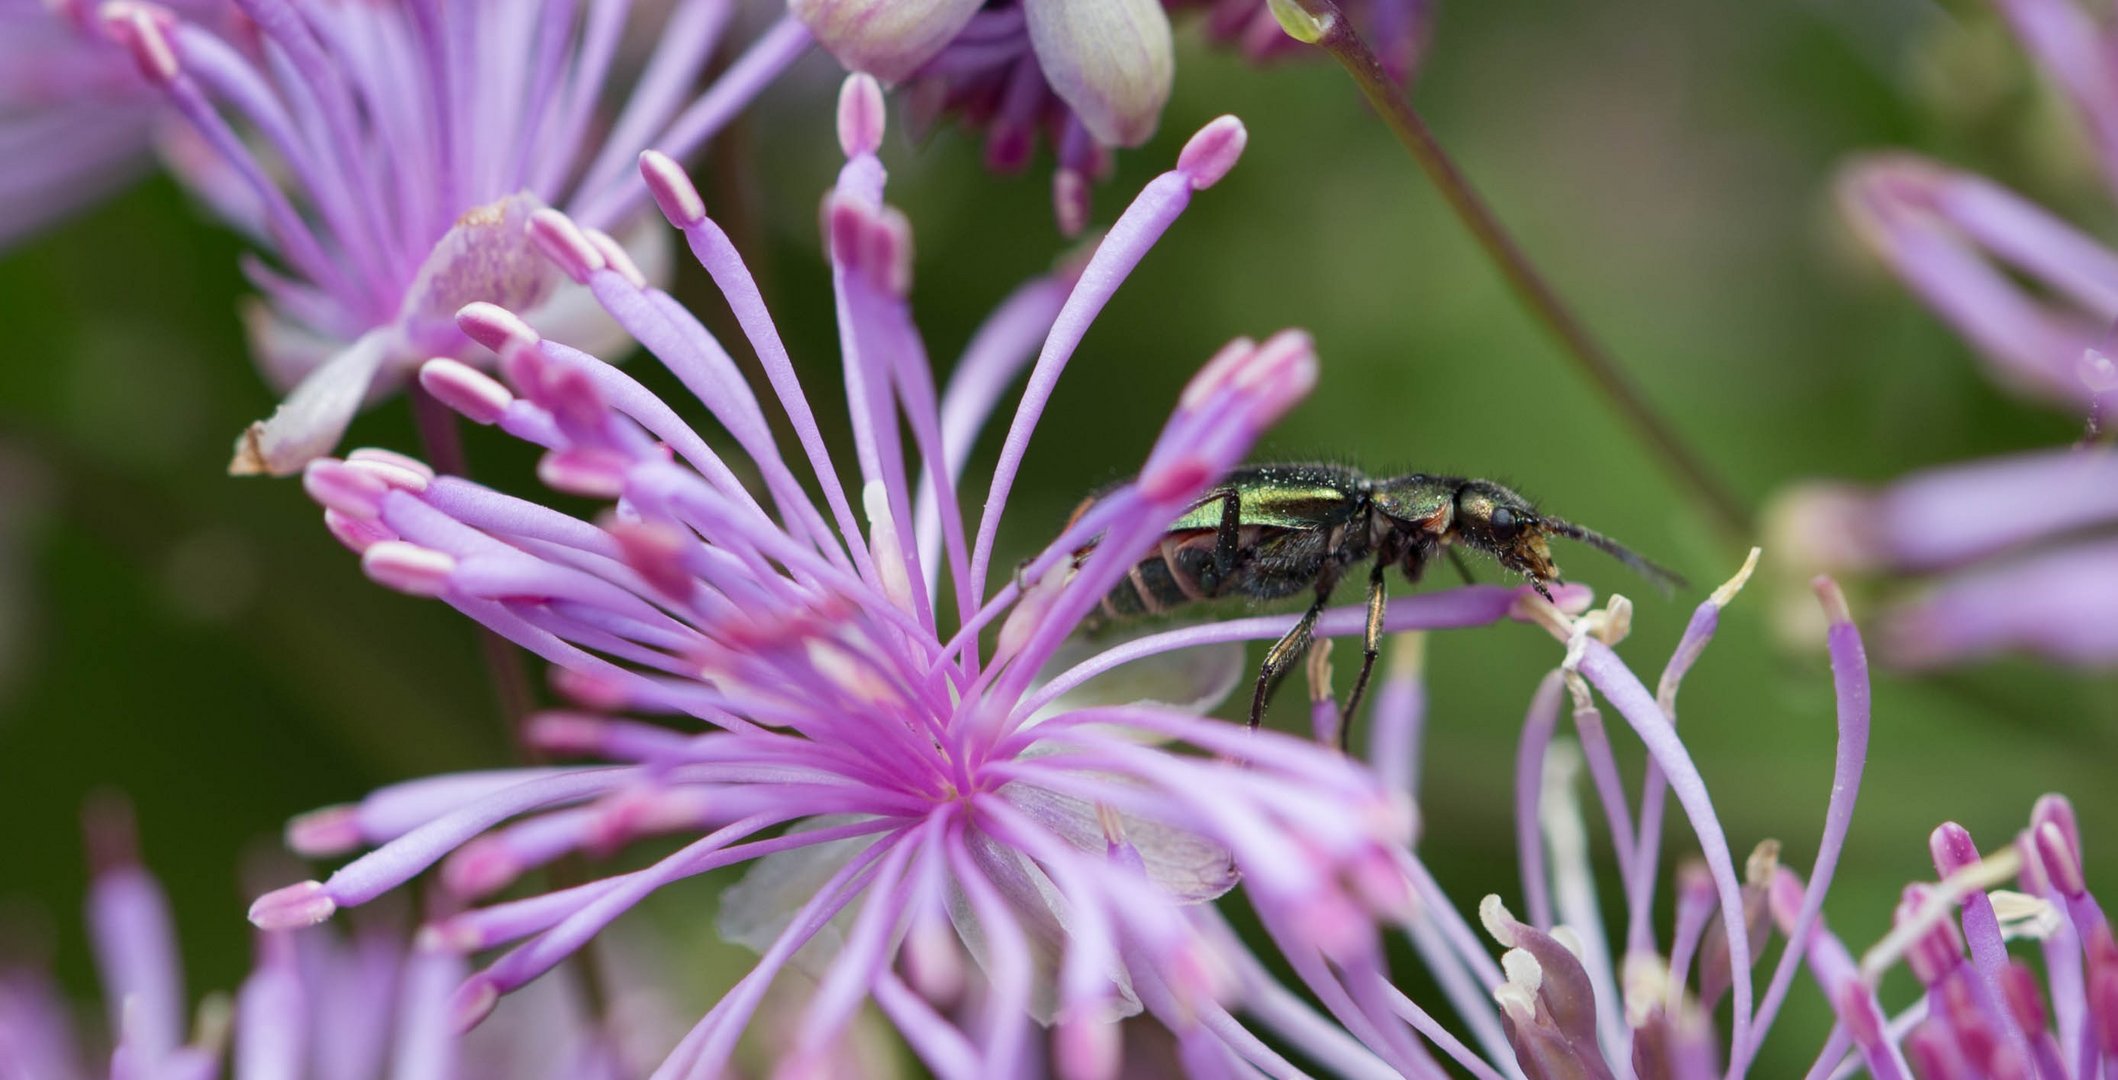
[1110, 60]
[888, 39]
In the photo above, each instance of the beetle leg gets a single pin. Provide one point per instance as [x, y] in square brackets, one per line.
[1289, 650]
[1371, 644]
[1463, 567]
[1227, 538]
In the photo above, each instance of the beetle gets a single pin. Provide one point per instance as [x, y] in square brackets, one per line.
[1267, 532]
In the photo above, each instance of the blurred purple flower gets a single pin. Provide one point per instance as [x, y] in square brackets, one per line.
[387, 156]
[1962, 242]
[1965, 243]
[2013, 553]
[901, 795]
[2010, 554]
[362, 1006]
[76, 119]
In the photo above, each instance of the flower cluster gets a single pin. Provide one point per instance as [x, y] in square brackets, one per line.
[1985, 1014]
[1569, 998]
[905, 797]
[2016, 553]
[930, 791]
[1088, 75]
[360, 1006]
[950, 808]
[388, 156]
[76, 120]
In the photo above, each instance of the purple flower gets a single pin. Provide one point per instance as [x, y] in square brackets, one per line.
[2006, 554]
[901, 794]
[1087, 74]
[1962, 241]
[2015, 553]
[1568, 998]
[1986, 1014]
[76, 119]
[317, 1003]
[388, 156]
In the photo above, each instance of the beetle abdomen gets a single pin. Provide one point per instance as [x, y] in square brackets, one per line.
[1179, 571]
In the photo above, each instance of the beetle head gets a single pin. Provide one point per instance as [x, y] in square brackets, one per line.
[1504, 525]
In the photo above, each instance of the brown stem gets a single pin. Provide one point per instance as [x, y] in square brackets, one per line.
[1319, 22]
[503, 661]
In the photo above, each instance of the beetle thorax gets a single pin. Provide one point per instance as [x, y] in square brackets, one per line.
[1421, 506]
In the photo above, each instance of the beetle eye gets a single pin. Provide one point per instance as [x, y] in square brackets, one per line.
[1502, 522]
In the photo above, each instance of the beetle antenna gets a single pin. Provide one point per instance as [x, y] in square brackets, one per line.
[1668, 581]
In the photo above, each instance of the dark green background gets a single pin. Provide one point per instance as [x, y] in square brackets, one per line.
[202, 644]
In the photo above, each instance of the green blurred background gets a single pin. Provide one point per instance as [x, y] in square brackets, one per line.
[201, 643]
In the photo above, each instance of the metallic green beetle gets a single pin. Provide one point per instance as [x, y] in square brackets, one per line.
[1270, 531]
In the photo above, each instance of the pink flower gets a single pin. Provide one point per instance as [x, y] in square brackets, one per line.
[1986, 1013]
[2012, 554]
[903, 795]
[76, 119]
[1085, 75]
[388, 156]
[359, 1006]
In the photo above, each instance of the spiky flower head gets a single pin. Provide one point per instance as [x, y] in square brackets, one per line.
[903, 795]
[387, 157]
[1568, 997]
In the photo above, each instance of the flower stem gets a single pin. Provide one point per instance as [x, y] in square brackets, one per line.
[510, 677]
[1320, 23]
[503, 662]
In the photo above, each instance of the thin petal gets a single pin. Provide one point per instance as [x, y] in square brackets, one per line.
[1193, 681]
[758, 909]
[314, 417]
[1188, 866]
[2057, 605]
